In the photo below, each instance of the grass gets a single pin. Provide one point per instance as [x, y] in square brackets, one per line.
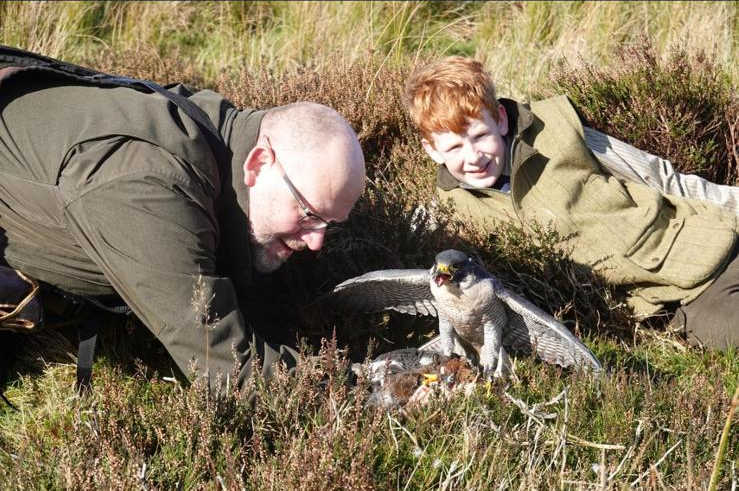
[654, 421]
[136, 429]
[519, 41]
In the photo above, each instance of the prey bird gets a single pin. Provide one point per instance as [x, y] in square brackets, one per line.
[477, 314]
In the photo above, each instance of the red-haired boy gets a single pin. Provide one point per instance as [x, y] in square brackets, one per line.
[669, 237]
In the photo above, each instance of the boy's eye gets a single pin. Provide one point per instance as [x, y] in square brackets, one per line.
[480, 136]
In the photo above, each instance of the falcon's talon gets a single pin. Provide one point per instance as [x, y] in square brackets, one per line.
[488, 388]
[429, 378]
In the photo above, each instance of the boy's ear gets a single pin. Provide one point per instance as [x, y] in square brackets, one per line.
[432, 152]
[258, 157]
[502, 120]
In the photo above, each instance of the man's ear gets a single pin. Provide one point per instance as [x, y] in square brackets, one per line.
[502, 120]
[432, 152]
[258, 157]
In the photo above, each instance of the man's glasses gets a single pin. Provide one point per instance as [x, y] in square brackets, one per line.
[310, 220]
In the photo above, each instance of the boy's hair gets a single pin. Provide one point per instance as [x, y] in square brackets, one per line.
[442, 95]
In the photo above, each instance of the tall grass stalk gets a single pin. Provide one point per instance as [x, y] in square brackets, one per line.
[716, 473]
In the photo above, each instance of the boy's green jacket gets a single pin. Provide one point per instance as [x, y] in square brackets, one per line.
[667, 248]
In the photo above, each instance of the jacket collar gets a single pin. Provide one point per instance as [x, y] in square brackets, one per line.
[520, 118]
[240, 131]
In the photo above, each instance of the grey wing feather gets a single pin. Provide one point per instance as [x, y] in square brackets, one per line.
[530, 327]
[404, 290]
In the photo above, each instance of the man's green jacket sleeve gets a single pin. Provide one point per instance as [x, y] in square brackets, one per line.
[151, 230]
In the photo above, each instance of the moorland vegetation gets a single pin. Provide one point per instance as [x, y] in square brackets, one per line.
[662, 76]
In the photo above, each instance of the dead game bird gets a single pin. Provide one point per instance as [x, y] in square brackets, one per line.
[476, 313]
[411, 377]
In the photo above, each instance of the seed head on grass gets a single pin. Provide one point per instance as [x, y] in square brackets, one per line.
[200, 302]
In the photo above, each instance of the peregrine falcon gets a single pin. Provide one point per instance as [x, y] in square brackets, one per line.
[477, 314]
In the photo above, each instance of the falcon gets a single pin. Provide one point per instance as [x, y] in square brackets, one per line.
[477, 315]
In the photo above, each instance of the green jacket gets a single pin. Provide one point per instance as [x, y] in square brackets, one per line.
[665, 247]
[108, 190]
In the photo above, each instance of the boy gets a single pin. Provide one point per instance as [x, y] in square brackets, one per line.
[669, 237]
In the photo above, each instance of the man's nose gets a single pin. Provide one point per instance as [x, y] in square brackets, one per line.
[313, 238]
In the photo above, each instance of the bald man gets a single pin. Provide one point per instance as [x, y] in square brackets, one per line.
[313, 153]
[117, 189]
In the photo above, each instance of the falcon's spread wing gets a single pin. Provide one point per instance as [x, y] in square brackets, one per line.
[404, 290]
[530, 327]
[408, 291]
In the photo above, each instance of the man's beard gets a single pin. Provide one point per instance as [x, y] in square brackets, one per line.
[265, 258]
[264, 262]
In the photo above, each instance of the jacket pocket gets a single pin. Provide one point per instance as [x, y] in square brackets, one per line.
[683, 252]
[652, 247]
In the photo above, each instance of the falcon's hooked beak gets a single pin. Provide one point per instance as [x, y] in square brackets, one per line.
[442, 273]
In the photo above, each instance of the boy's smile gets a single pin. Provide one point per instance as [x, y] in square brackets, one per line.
[476, 156]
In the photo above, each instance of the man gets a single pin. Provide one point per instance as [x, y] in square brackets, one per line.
[669, 237]
[108, 189]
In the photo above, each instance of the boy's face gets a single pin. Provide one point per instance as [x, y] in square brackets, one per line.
[477, 155]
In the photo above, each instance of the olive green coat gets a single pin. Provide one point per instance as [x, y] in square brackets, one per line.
[107, 190]
[667, 248]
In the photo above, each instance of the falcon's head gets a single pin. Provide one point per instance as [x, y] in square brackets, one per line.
[453, 267]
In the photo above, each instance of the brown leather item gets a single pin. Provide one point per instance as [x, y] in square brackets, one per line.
[20, 302]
